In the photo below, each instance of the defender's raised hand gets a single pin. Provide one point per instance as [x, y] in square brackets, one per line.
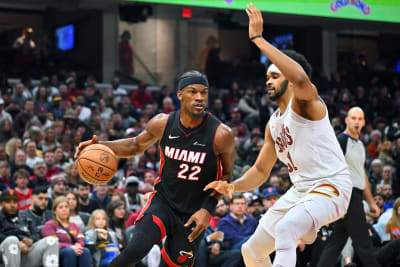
[221, 187]
[82, 145]
[255, 21]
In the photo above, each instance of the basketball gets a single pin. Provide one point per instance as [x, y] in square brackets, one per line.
[96, 164]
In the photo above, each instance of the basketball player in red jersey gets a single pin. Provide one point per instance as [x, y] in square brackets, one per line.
[196, 148]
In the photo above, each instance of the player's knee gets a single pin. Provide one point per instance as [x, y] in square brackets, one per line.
[285, 226]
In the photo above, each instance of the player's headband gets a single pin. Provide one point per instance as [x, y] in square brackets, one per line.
[192, 80]
[273, 68]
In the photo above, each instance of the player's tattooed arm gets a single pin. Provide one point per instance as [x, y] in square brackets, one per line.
[130, 147]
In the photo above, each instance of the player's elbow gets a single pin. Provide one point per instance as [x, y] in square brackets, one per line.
[300, 80]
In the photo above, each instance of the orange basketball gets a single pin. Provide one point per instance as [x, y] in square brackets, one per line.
[97, 164]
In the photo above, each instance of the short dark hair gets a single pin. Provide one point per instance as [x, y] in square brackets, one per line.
[237, 196]
[83, 183]
[299, 58]
[39, 190]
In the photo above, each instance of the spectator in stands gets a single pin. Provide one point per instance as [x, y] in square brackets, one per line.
[393, 225]
[6, 130]
[270, 196]
[3, 154]
[256, 207]
[379, 201]
[149, 160]
[38, 212]
[375, 174]
[21, 178]
[32, 155]
[49, 141]
[374, 147]
[4, 114]
[237, 226]
[250, 105]
[126, 54]
[221, 210]
[6, 180]
[41, 97]
[50, 161]
[100, 195]
[385, 154]
[219, 111]
[117, 218]
[23, 117]
[19, 161]
[236, 122]
[11, 147]
[132, 195]
[39, 175]
[149, 179]
[388, 194]
[127, 120]
[76, 216]
[72, 175]
[70, 237]
[100, 235]
[21, 244]
[232, 98]
[18, 96]
[86, 203]
[140, 98]
[58, 187]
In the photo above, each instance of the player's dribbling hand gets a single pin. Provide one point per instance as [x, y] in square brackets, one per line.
[221, 187]
[255, 20]
[82, 145]
[201, 219]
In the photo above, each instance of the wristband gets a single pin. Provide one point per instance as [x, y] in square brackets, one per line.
[255, 37]
[233, 187]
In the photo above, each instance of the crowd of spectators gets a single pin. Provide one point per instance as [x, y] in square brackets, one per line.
[40, 126]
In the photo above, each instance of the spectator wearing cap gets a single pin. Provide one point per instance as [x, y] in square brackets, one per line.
[31, 151]
[58, 187]
[236, 123]
[256, 207]
[132, 195]
[24, 116]
[41, 113]
[4, 114]
[86, 204]
[237, 226]
[140, 98]
[50, 161]
[56, 108]
[38, 211]
[270, 196]
[21, 178]
[39, 175]
[10, 106]
[100, 195]
[6, 180]
[21, 244]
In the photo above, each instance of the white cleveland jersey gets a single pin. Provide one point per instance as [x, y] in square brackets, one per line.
[309, 148]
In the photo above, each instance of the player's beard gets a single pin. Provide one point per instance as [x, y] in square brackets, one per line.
[281, 92]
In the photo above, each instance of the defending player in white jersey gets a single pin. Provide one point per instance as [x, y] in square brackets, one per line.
[300, 135]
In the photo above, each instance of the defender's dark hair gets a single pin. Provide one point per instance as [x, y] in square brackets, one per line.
[299, 58]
